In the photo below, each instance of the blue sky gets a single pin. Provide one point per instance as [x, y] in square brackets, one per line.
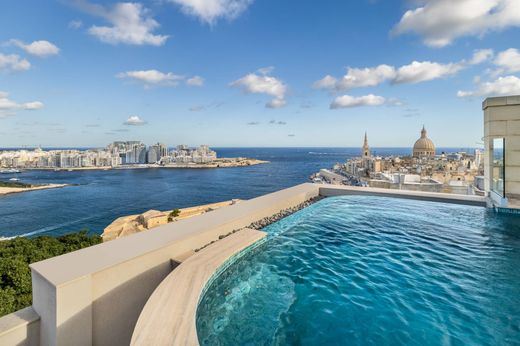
[253, 72]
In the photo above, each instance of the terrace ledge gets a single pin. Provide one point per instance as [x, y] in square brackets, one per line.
[22, 327]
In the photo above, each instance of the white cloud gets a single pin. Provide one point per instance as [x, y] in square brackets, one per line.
[509, 85]
[415, 72]
[276, 103]
[347, 101]
[152, 77]
[210, 11]
[508, 61]
[9, 107]
[263, 84]
[424, 71]
[33, 105]
[365, 77]
[440, 22]
[131, 23]
[13, 62]
[39, 48]
[327, 82]
[75, 24]
[357, 78]
[134, 120]
[195, 81]
[480, 56]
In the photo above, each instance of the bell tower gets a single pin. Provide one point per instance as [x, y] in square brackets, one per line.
[365, 149]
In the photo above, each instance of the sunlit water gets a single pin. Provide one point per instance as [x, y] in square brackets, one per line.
[363, 270]
[96, 198]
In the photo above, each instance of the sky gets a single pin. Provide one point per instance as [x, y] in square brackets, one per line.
[253, 73]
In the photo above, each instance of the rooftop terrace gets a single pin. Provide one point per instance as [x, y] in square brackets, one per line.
[96, 295]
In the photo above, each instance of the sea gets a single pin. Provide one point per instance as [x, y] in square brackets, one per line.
[96, 198]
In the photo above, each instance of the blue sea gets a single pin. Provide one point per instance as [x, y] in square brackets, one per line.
[98, 197]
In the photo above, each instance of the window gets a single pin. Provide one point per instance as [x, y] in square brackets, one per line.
[497, 167]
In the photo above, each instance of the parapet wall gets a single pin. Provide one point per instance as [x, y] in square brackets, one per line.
[20, 328]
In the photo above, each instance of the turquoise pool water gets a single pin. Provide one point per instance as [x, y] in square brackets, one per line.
[359, 270]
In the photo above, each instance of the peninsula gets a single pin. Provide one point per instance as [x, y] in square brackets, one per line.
[16, 187]
[120, 155]
[223, 162]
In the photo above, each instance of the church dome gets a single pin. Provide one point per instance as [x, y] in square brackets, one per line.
[423, 146]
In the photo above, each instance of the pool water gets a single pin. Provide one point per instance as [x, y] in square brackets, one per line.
[362, 270]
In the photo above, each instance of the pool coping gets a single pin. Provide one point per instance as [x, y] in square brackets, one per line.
[340, 190]
[169, 316]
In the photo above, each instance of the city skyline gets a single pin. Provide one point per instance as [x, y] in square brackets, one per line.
[216, 74]
[115, 154]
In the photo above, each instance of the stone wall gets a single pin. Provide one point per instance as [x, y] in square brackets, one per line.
[502, 120]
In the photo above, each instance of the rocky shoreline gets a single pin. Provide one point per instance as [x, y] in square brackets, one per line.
[266, 221]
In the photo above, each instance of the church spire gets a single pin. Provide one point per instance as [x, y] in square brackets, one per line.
[366, 148]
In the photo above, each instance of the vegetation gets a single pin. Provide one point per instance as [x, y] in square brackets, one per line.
[16, 255]
[14, 184]
[173, 214]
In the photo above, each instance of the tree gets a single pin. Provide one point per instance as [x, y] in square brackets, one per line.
[174, 213]
[16, 255]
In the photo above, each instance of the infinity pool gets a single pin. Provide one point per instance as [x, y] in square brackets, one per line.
[373, 271]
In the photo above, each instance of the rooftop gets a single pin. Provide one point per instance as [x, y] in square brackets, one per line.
[501, 101]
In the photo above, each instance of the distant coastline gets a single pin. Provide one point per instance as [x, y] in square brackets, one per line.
[98, 197]
[218, 163]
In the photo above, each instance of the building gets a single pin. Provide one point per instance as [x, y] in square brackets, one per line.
[163, 150]
[424, 171]
[424, 146]
[502, 150]
[153, 154]
[400, 181]
[365, 150]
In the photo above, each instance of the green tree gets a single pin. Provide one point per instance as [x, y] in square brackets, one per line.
[16, 255]
[174, 213]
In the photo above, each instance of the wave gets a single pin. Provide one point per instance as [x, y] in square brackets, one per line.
[46, 229]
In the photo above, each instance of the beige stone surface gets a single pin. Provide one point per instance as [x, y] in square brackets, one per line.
[169, 316]
[502, 120]
[20, 328]
[131, 224]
